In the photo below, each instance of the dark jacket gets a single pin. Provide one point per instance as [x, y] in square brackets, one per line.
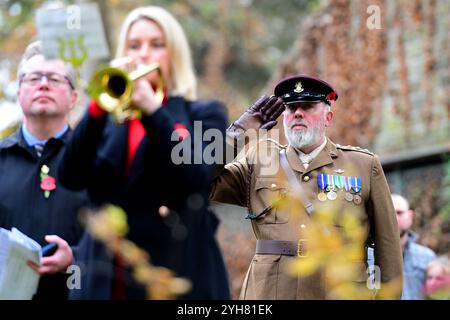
[183, 241]
[23, 205]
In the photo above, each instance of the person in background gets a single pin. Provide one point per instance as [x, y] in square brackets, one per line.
[32, 198]
[130, 165]
[416, 257]
[437, 285]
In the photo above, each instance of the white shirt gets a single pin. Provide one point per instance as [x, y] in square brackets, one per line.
[307, 158]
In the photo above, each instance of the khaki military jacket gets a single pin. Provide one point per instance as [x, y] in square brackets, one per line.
[257, 180]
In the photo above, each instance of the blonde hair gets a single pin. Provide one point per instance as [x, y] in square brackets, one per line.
[183, 82]
[441, 261]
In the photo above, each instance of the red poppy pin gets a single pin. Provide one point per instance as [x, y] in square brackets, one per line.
[182, 131]
[48, 183]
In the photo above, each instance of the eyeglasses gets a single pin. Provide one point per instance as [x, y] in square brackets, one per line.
[54, 79]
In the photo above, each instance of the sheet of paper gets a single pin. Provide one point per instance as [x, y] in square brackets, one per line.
[17, 280]
[4, 250]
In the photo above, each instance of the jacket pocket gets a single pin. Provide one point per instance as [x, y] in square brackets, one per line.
[262, 277]
[269, 192]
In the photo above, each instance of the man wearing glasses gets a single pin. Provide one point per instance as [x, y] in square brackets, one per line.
[31, 198]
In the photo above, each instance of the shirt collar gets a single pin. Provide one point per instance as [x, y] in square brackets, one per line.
[310, 156]
[412, 237]
[32, 140]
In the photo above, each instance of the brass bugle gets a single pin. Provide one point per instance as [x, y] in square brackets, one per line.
[112, 89]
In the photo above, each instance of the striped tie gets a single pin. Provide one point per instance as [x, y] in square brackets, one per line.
[39, 148]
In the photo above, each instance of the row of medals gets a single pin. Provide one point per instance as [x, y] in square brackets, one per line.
[333, 195]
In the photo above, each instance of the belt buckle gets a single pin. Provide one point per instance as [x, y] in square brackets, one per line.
[301, 250]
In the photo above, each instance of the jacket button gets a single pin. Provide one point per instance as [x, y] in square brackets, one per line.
[273, 185]
[306, 178]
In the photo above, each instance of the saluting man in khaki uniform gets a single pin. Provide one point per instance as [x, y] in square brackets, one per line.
[324, 175]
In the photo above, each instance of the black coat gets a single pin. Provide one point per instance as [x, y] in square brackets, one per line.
[23, 205]
[184, 241]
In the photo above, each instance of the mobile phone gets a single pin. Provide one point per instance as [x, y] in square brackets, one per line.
[49, 249]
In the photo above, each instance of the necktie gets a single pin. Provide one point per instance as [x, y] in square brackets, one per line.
[306, 160]
[39, 149]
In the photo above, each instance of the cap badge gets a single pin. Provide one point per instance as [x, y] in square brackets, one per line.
[298, 87]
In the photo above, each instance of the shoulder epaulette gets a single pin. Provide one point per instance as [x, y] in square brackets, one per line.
[352, 148]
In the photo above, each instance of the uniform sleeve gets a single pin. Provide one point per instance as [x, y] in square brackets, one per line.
[230, 186]
[388, 255]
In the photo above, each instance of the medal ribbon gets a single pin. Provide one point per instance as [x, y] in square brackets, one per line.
[322, 181]
[347, 185]
[330, 182]
[356, 184]
[338, 182]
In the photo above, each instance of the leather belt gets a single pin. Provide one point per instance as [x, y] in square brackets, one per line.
[289, 248]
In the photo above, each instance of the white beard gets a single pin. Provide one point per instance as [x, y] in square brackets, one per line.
[301, 139]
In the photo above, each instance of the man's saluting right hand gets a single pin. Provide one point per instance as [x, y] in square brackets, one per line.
[261, 115]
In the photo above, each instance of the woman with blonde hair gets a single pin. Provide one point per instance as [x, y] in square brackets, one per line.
[131, 165]
[437, 285]
[178, 70]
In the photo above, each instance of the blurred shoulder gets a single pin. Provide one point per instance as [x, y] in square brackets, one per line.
[10, 140]
[272, 143]
[265, 148]
[425, 253]
[203, 109]
[205, 105]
